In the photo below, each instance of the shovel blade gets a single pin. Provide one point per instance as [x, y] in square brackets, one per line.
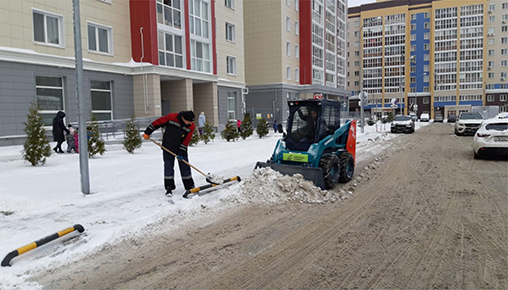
[309, 173]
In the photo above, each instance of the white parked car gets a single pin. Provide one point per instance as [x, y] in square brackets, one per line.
[468, 122]
[491, 138]
[402, 123]
[424, 117]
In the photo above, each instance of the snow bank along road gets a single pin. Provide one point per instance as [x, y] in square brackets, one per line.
[425, 215]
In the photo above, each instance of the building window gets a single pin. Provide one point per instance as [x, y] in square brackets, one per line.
[199, 18]
[504, 40]
[169, 13]
[170, 50]
[47, 28]
[229, 4]
[426, 35]
[426, 25]
[232, 106]
[504, 51]
[503, 63]
[200, 56]
[296, 5]
[288, 48]
[101, 100]
[297, 51]
[49, 96]
[413, 37]
[413, 26]
[100, 38]
[490, 98]
[491, 52]
[297, 74]
[502, 98]
[230, 32]
[297, 28]
[491, 75]
[426, 100]
[426, 46]
[231, 65]
[288, 23]
[288, 73]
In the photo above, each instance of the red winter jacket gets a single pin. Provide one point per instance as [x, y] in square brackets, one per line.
[177, 135]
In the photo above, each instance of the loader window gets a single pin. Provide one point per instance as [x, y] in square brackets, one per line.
[303, 125]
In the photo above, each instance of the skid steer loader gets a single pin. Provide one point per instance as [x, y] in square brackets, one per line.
[316, 145]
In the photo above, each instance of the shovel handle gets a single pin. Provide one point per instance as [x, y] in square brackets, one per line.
[170, 152]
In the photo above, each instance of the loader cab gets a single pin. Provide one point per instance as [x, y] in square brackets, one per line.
[310, 121]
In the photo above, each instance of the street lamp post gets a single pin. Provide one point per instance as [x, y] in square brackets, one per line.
[416, 92]
[404, 59]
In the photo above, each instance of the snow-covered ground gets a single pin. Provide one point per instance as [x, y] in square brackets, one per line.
[128, 198]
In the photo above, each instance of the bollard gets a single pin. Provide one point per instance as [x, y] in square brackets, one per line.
[7, 260]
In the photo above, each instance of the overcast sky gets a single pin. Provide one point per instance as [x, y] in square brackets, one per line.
[353, 3]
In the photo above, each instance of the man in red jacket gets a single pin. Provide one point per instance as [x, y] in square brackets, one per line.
[179, 128]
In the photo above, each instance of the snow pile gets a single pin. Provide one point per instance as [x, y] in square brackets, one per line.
[269, 186]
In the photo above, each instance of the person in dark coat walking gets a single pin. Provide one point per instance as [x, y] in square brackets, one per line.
[179, 128]
[58, 131]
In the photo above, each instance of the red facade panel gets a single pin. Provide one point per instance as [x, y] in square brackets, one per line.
[187, 35]
[305, 42]
[144, 31]
[214, 37]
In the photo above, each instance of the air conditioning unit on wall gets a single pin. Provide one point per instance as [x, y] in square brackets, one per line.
[503, 79]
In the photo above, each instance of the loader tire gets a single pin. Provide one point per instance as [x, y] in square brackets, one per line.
[330, 165]
[347, 167]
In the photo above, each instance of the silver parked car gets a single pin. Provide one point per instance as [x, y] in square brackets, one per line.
[468, 122]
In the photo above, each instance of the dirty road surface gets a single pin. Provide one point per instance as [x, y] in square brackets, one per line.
[422, 215]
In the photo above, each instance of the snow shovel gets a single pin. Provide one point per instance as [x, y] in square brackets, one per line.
[217, 180]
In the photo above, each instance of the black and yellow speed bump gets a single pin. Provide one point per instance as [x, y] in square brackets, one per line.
[198, 189]
[7, 260]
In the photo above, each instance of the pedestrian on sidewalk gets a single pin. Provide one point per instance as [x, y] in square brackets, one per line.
[58, 131]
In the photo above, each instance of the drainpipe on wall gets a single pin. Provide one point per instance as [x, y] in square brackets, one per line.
[145, 79]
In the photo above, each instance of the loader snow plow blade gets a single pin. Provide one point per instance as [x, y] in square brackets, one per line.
[309, 173]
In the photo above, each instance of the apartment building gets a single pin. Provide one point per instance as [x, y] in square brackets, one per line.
[141, 57]
[444, 56]
[294, 49]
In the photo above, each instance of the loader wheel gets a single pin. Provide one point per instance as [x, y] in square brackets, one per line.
[347, 167]
[330, 165]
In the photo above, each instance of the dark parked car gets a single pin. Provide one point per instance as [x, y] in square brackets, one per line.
[452, 119]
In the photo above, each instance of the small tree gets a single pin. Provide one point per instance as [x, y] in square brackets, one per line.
[208, 133]
[132, 140]
[195, 137]
[246, 127]
[262, 128]
[36, 147]
[95, 142]
[230, 132]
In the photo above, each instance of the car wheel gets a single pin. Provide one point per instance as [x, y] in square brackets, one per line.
[347, 167]
[476, 156]
[330, 165]
[393, 131]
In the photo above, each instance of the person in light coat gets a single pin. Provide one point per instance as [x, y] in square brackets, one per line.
[201, 122]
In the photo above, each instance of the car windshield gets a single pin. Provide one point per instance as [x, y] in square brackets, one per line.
[402, 118]
[471, 116]
[497, 127]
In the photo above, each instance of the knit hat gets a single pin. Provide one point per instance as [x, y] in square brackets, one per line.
[188, 115]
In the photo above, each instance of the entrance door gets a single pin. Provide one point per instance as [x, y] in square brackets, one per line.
[165, 107]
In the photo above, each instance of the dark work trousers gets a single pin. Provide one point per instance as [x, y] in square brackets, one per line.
[169, 172]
